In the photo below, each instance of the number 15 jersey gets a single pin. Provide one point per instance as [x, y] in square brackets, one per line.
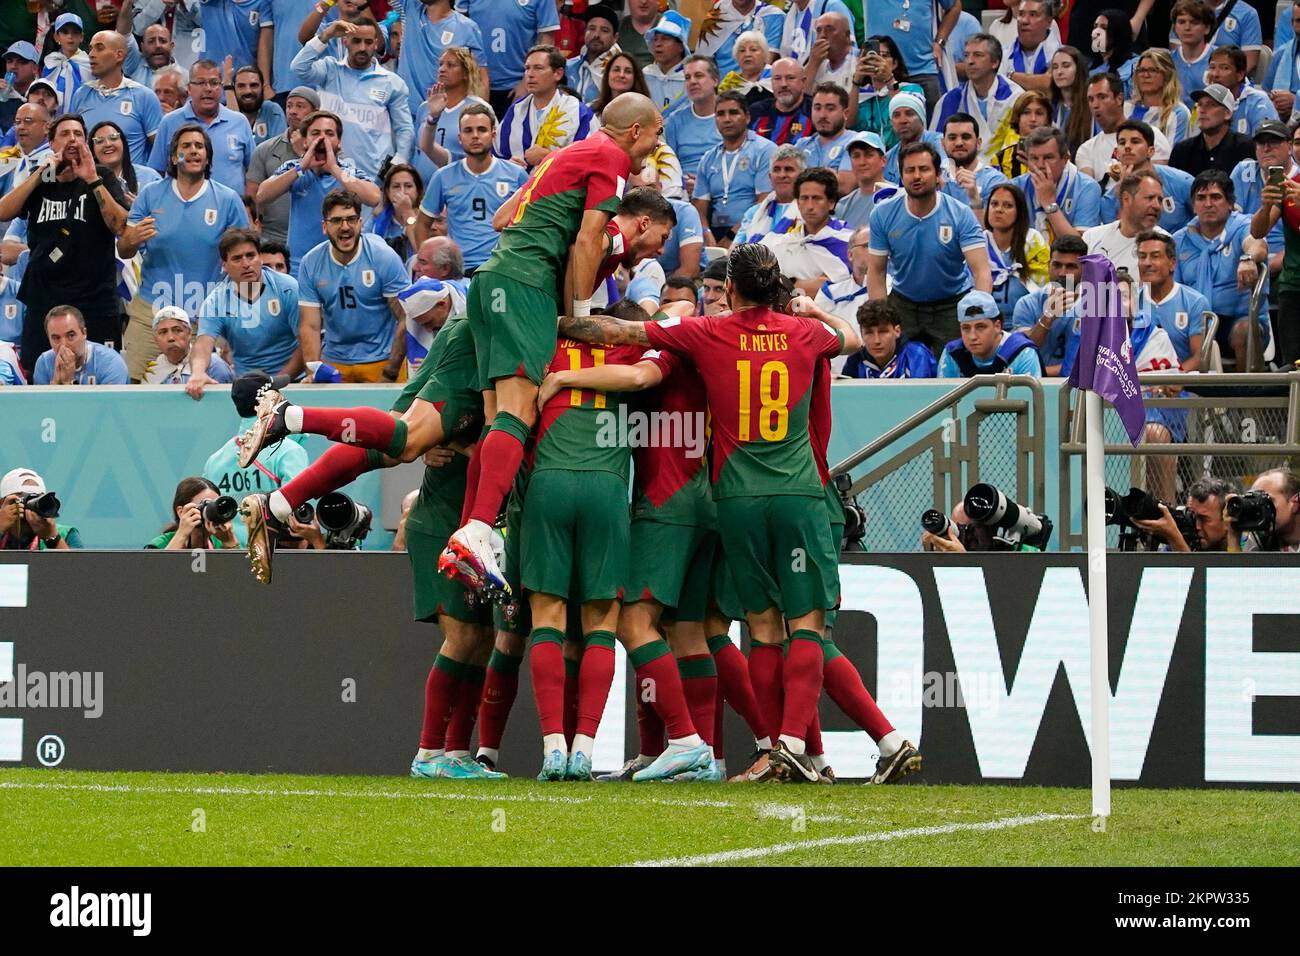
[355, 318]
[758, 368]
[471, 201]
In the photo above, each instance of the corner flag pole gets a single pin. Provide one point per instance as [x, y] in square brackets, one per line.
[1094, 466]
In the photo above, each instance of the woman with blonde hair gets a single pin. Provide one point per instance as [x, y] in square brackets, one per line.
[460, 81]
[1031, 110]
[1069, 91]
[1158, 95]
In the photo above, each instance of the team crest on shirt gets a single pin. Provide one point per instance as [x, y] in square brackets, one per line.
[273, 307]
[253, 18]
[1180, 320]
[11, 310]
[1230, 23]
[1168, 204]
[1068, 205]
[503, 188]
[1078, 324]
[378, 93]
[945, 233]
[446, 37]
[367, 277]
[744, 165]
[124, 107]
[210, 217]
[835, 151]
[260, 129]
[232, 142]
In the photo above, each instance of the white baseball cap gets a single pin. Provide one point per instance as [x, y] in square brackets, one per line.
[171, 312]
[21, 479]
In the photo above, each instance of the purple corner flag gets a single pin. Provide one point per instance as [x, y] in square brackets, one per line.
[1104, 363]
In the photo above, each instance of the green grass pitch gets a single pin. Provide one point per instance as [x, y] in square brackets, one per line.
[75, 818]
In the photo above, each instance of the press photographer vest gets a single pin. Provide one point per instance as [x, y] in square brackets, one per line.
[1011, 346]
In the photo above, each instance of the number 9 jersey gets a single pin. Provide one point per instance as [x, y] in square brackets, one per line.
[471, 201]
[758, 368]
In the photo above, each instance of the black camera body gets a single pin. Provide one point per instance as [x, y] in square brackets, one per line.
[1122, 510]
[855, 519]
[219, 510]
[305, 513]
[44, 503]
[1253, 511]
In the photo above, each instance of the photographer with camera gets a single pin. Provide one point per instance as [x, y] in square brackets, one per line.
[203, 519]
[1268, 514]
[986, 520]
[1197, 525]
[27, 513]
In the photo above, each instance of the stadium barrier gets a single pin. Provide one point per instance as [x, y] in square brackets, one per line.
[178, 661]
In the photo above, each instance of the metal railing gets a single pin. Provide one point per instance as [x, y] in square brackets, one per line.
[935, 470]
[1236, 425]
[1257, 300]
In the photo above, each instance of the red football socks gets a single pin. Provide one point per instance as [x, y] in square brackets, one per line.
[700, 686]
[499, 689]
[812, 740]
[502, 452]
[546, 666]
[734, 684]
[649, 729]
[595, 677]
[440, 689]
[765, 668]
[339, 465]
[367, 427]
[658, 679]
[801, 681]
[844, 686]
[461, 726]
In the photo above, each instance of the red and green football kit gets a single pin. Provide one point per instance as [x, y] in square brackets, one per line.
[514, 297]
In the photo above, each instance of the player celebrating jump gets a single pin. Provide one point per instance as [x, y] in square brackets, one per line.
[758, 367]
[559, 221]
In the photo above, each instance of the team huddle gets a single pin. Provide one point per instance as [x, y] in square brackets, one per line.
[522, 538]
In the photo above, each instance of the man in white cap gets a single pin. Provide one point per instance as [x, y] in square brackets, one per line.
[867, 158]
[28, 513]
[1217, 145]
[426, 305]
[173, 332]
[907, 117]
[669, 42]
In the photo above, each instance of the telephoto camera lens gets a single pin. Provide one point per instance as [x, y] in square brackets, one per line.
[46, 505]
[304, 513]
[935, 522]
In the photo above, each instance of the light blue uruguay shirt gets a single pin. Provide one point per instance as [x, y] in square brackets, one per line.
[131, 106]
[926, 254]
[732, 181]
[232, 143]
[285, 46]
[181, 262]
[373, 104]
[1176, 207]
[1182, 315]
[687, 232]
[446, 133]
[1210, 265]
[832, 153]
[1248, 182]
[305, 197]
[471, 201]
[233, 28]
[263, 334]
[103, 366]
[423, 43]
[509, 31]
[691, 136]
[911, 24]
[269, 123]
[357, 324]
[11, 310]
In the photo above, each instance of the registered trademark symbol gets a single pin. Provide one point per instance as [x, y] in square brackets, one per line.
[49, 750]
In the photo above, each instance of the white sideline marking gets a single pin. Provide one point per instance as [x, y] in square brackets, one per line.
[430, 794]
[753, 853]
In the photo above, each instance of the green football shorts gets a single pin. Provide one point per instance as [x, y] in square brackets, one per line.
[575, 535]
[514, 328]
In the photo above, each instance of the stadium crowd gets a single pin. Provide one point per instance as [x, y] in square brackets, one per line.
[201, 191]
